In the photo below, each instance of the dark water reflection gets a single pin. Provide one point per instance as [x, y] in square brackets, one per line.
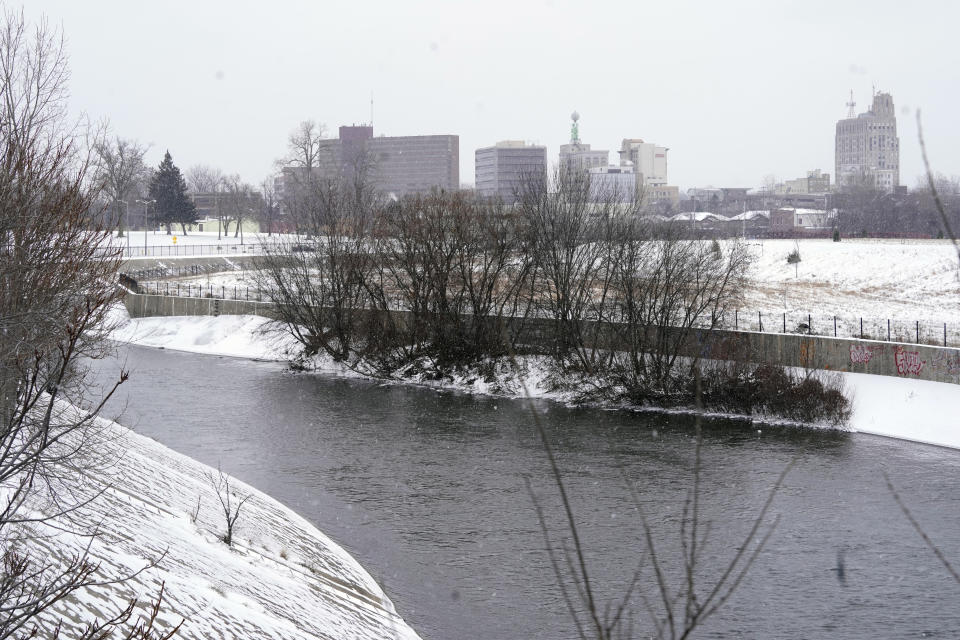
[426, 490]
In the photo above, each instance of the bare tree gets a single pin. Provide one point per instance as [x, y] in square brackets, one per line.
[572, 234]
[270, 206]
[202, 178]
[318, 284]
[57, 282]
[120, 170]
[301, 167]
[239, 202]
[230, 502]
[304, 145]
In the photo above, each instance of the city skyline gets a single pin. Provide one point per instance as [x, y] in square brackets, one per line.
[224, 86]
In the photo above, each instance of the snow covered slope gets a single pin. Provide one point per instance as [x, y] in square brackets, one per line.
[281, 579]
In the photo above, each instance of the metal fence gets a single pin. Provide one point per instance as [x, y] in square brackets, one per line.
[180, 271]
[162, 251]
[916, 331]
[886, 329]
[190, 290]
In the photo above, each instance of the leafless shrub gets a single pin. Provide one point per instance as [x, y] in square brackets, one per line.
[230, 502]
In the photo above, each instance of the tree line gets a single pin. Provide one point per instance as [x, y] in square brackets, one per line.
[437, 282]
[131, 193]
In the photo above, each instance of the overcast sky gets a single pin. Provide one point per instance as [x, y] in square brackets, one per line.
[737, 90]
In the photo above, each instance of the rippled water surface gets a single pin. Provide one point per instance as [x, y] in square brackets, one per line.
[427, 491]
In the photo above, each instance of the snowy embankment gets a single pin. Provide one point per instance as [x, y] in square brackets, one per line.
[905, 281]
[895, 407]
[282, 578]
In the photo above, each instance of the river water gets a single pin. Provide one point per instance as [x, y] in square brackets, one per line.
[427, 490]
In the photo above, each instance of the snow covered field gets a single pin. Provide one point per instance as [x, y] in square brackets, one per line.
[893, 407]
[281, 579]
[902, 280]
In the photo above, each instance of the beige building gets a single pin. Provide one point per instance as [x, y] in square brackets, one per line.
[814, 182]
[662, 194]
[649, 161]
[867, 148]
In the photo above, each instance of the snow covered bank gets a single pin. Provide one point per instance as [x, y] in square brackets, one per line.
[238, 336]
[281, 579]
[907, 409]
[896, 407]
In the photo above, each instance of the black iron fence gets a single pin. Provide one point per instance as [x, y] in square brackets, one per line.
[193, 290]
[198, 250]
[916, 331]
[927, 331]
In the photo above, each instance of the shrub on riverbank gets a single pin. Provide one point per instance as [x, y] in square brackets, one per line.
[770, 390]
[767, 391]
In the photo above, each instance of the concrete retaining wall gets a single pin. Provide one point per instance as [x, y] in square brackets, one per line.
[922, 362]
[141, 306]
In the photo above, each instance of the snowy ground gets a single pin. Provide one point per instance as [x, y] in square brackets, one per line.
[281, 579]
[157, 244]
[893, 407]
[161, 239]
[902, 280]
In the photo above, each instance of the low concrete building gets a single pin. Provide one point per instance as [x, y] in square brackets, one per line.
[790, 219]
[662, 195]
[814, 182]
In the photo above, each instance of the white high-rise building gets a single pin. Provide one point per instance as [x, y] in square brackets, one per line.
[867, 146]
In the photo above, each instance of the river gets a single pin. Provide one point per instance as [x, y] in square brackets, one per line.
[427, 490]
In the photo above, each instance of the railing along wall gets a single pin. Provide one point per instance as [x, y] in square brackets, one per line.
[896, 359]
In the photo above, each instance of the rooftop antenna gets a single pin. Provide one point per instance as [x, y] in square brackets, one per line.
[371, 109]
[575, 128]
[851, 113]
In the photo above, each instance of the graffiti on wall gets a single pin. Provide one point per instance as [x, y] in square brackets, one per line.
[946, 362]
[908, 362]
[864, 353]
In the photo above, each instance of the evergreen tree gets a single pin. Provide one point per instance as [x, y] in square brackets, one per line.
[169, 190]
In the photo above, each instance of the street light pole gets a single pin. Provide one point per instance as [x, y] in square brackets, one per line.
[146, 203]
[127, 211]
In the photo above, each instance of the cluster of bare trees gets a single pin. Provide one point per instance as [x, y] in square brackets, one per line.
[234, 201]
[447, 279]
[57, 282]
[863, 209]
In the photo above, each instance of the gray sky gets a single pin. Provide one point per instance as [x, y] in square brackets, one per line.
[735, 89]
